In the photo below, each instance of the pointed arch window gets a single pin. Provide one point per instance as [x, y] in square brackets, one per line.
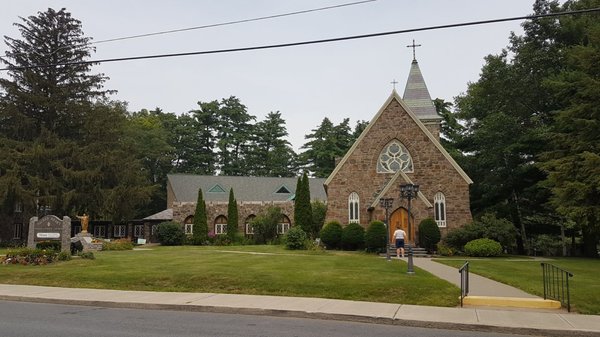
[439, 204]
[248, 224]
[394, 157]
[353, 208]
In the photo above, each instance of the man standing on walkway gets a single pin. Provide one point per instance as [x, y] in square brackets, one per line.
[399, 235]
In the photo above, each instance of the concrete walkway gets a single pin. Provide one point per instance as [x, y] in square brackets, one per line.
[478, 285]
[508, 321]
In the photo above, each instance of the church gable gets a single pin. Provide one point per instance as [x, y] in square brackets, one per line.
[395, 148]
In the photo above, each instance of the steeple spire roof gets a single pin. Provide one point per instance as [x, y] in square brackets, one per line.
[416, 95]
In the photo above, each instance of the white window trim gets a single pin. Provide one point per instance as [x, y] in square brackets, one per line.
[283, 227]
[153, 230]
[189, 228]
[220, 228]
[119, 231]
[249, 229]
[99, 231]
[353, 208]
[138, 231]
[439, 204]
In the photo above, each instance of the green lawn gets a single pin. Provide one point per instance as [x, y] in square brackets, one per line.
[526, 273]
[239, 270]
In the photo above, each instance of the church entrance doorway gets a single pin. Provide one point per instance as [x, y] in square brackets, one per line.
[400, 218]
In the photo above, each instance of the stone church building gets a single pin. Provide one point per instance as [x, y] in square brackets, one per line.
[400, 146]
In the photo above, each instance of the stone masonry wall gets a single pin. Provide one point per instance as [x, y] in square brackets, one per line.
[182, 211]
[432, 171]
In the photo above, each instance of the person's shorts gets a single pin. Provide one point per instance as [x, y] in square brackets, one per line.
[399, 243]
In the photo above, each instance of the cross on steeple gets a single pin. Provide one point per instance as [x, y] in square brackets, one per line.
[413, 46]
[394, 82]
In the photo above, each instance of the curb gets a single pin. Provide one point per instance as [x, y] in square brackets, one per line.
[513, 302]
[308, 315]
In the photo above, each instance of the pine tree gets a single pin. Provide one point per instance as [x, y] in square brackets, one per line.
[232, 217]
[302, 207]
[200, 230]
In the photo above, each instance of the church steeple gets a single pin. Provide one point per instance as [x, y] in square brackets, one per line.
[416, 95]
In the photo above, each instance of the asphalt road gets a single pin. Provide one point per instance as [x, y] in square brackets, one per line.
[21, 319]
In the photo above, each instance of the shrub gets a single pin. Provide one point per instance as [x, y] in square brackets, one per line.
[49, 245]
[222, 240]
[353, 237]
[63, 256]
[170, 234]
[331, 235]
[483, 247]
[488, 226]
[295, 238]
[445, 250]
[87, 255]
[265, 225]
[429, 234]
[120, 244]
[376, 237]
[319, 211]
[27, 256]
[547, 245]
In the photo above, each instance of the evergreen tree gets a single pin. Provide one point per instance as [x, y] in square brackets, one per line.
[232, 217]
[327, 143]
[302, 207]
[233, 136]
[200, 230]
[573, 161]
[51, 97]
[271, 154]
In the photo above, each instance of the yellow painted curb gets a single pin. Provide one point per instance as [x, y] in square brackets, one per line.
[517, 302]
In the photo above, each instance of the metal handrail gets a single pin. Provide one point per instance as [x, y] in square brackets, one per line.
[556, 284]
[464, 281]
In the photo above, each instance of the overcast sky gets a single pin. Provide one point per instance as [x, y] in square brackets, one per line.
[348, 79]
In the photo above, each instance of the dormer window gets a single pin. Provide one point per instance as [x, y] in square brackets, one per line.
[216, 189]
[283, 190]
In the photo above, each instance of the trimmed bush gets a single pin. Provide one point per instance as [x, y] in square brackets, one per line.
[429, 234]
[170, 234]
[331, 235]
[483, 247]
[295, 238]
[120, 244]
[265, 225]
[353, 237]
[63, 256]
[27, 256]
[49, 245]
[376, 237]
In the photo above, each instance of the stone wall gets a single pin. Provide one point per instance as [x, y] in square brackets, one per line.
[432, 171]
[184, 210]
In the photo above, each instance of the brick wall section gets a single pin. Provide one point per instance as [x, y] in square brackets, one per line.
[214, 209]
[432, 171]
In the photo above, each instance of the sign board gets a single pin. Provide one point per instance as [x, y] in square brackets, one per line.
[50, 228]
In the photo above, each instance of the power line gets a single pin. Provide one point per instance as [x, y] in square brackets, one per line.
[234, 22]
[303, 43]
[274, 16]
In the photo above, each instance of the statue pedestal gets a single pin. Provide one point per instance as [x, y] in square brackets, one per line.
[87, 242]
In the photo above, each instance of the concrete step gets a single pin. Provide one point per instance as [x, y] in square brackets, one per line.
[417, 251]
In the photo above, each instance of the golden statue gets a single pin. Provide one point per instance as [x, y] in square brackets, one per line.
[84, 222]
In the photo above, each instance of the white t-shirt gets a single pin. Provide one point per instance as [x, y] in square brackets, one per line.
[399, 234]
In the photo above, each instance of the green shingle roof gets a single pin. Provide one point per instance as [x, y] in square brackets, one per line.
[185, 188]
[416, 95]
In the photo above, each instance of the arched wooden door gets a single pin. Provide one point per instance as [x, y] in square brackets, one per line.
[400, 218]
